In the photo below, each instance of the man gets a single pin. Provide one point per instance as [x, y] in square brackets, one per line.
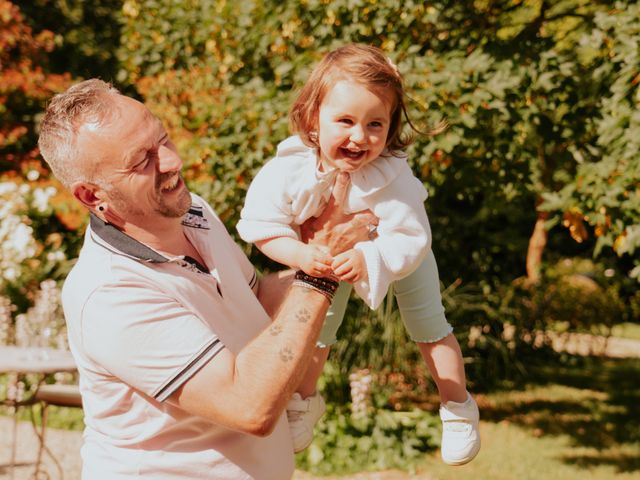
[183, 373]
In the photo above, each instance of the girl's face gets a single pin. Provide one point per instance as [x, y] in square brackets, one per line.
[353, 123]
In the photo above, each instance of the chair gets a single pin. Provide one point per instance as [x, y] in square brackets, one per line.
[61, 396]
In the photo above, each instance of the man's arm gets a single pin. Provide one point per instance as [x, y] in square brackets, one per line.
[249, 392]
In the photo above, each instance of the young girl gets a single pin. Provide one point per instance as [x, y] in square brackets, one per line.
[348, 121]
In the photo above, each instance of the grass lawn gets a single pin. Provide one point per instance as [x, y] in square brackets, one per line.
[510, 452]
[569, 423]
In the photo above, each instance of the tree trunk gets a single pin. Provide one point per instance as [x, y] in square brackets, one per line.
[537, 243]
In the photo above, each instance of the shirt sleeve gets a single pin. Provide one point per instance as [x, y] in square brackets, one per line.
[145, 338]
[267, 208]
[404, 237]
[246, 266]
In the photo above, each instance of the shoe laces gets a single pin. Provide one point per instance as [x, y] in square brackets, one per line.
[295, 415]
[456, 426]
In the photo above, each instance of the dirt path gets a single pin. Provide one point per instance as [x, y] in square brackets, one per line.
[585, 344]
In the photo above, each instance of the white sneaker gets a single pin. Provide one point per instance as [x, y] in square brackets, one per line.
[460, 434]
[303, 416]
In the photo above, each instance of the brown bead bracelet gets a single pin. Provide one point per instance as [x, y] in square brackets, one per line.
[326, 286]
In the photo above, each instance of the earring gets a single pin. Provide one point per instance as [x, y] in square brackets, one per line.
[313, 136]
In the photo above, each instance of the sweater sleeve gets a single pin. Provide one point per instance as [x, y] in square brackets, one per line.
[404, 236]
[267, 208]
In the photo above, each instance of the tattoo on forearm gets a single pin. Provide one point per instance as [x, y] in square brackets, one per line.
[286, 354]
[303, 315]
[275, 330]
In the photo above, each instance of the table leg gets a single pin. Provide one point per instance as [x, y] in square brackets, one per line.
[14, 437]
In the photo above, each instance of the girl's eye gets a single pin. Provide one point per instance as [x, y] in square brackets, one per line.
[376, 124]
[346, 121]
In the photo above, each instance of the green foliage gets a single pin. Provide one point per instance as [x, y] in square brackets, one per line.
[380, 441]
[25, 85]
[578, 294]
[87, 34]
[604, 192]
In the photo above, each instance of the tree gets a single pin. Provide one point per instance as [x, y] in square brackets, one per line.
[603, 193]
[25, 85]
[35, 210]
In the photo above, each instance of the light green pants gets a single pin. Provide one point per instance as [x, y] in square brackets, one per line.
[419, 302]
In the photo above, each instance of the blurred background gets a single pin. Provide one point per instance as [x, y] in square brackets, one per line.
[534, 202]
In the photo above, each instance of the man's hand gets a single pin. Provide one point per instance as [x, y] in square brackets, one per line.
[335, 229]
[350, 266]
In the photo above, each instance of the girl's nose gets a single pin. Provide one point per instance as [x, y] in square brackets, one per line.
[357, 134]
[169, 160]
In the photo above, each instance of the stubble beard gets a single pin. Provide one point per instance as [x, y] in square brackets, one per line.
[174, 209]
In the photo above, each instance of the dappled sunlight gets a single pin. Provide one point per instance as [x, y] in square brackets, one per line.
[594, 404]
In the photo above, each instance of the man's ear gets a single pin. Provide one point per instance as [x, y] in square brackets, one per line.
[87, 194]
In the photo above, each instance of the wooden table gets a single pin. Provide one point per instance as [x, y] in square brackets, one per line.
[30, 360]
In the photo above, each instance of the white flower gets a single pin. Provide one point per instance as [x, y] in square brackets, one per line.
[16, 237]
[41, 198]
[360, 383]
[56, 256]
[33, 175]
[43, 324]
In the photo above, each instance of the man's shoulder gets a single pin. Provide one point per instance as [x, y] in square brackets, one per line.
[95, 266]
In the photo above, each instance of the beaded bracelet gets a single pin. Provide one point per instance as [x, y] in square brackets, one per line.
[325, 286]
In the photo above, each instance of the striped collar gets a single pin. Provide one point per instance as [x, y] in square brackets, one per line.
[131, 247]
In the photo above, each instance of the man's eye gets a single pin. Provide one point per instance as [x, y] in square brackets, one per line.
[145, 161]
[140, 165]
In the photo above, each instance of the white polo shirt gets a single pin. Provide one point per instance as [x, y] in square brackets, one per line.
[140, 325]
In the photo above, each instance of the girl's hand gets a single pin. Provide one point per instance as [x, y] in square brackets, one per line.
[315, 260]
[350, 266]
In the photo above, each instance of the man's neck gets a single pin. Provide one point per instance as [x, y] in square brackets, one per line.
[165, 235]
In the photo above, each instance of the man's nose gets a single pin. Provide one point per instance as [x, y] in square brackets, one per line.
[169, 160]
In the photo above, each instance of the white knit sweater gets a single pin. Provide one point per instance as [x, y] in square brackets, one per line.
[290, 189]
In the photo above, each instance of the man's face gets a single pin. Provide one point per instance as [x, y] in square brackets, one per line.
[138, 166]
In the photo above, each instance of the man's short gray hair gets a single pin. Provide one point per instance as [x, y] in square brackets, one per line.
[90, 101]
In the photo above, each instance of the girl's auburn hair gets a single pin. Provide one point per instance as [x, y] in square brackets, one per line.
[364, 64]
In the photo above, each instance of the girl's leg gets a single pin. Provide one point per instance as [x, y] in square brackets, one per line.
[421, 308]
[444, 360]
